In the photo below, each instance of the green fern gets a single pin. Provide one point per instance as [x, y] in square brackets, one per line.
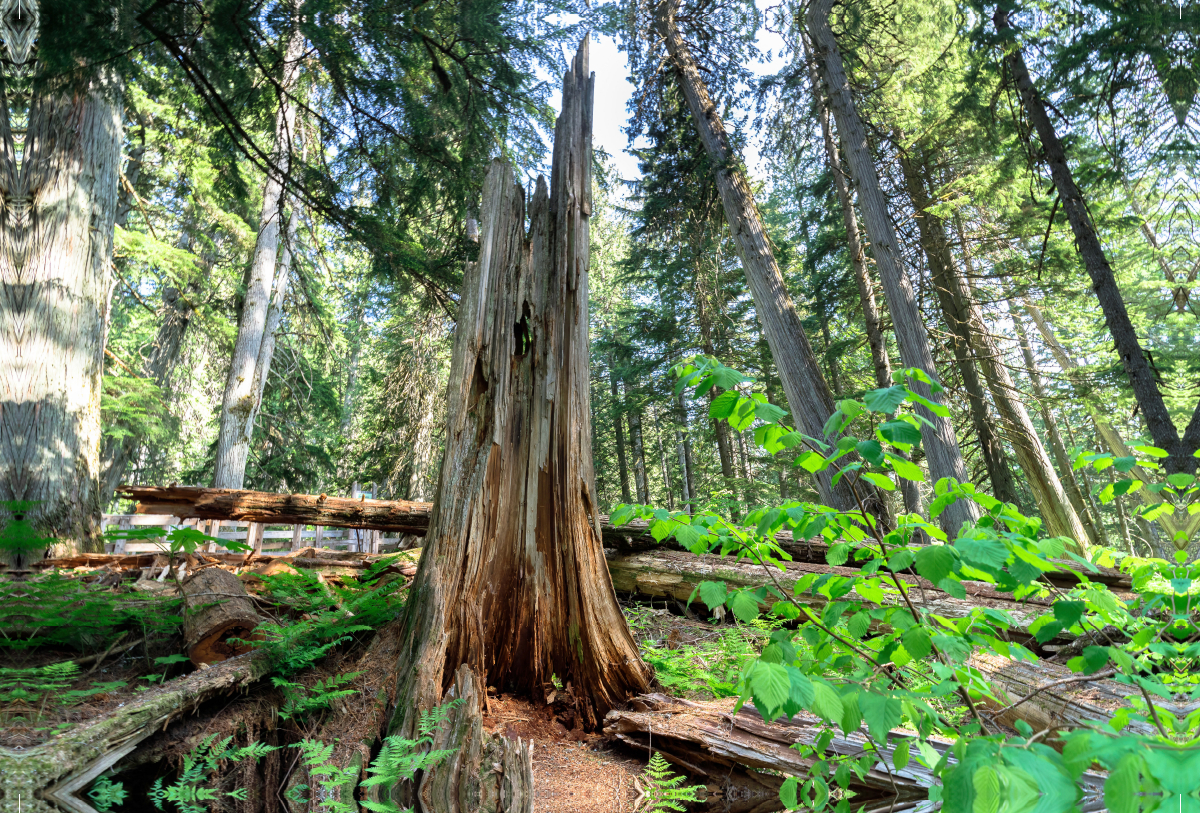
[399, 760]
[301, 701]
[186, 792]
[106, 794]
[663, 789]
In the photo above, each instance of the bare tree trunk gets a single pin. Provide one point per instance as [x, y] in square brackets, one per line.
[239, 405]
[683, 447]
[422, 454]
[662, 457]
[941, 447]
[619, 431]
[1095, 532]
[1141, 377]
[639, 450]
[806, 389]
[59, 166]
[513, 587]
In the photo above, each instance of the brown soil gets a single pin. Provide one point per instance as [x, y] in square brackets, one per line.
[573, 771]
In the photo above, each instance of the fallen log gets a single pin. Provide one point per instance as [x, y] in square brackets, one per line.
[218, 609]
[50, 777]
[675, 575]
[280, 509]
[413, 518]
[1050, 696]
[708, 740]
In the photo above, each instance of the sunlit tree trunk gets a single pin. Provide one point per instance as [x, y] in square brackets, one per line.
[240, 403]
[59, 166]
[513, 589]
[941, 446]
[807, 391]
[683, 447]
[639, 450]
[619, 431]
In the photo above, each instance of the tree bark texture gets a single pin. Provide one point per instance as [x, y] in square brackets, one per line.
[1056, 443]
[513, 587]
[1104, 282]
[59, 167]
[941, 447]
[239, 405]
[683, 445]
[639, 450]
[619, 431]
[973, 342]
[807, 392]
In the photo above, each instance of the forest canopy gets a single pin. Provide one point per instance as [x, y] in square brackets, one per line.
[877, 331]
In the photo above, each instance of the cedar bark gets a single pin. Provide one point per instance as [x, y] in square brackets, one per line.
[941, 447]
[60, 155]
[807, 392]
[683, 445]
[239, 405]
[513, 587]
[639, 450]
[1104, 283]
[619, 430]
[1095, 532]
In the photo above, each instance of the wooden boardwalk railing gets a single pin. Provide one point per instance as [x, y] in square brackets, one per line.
[267, 539]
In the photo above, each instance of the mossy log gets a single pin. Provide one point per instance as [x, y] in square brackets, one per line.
[49, 777]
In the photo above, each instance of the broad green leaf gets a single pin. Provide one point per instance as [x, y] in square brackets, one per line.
[769, 412]
[723, 405]
[744, 606]
[858, 625]
[826, 703]
[882, 714]
[982, 551]
[885, 400]
[900, 755]
[810, 461]
[916, 641]
[987, 790]
[1151, 451]
[770, 686]
[690, 535]
[936, 562]
[713, 594]
[906, 469]
[881, 480]
[851, 719]
[787, 793]
[871, 452]
[1068, 613]
[1123, 464]
[899, 433]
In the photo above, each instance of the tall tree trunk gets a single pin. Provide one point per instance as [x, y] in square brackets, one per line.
[639, 450]
[513, 587]
[872, 323]
[619, 431]
[239, 405]
[1141, 377]
[937, 253]
[720, 428]
[1095, 531]
[662, 457]
[683, 446]
[941, 447]
[58, 199]
[807, 392]
[422, 452]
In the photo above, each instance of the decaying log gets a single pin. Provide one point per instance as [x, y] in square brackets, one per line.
[1049, 696]
[280, 509]
[218, 609]
[675, 575]
[707, 739]
[413, 519]
[51, 777]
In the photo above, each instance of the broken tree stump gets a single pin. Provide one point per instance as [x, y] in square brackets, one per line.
[217, 609]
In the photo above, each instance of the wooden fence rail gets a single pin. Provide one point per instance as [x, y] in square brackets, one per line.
[263, 536]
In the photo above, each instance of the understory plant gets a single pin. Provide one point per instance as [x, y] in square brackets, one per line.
[858, 650]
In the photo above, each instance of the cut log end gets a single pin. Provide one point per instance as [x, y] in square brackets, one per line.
[217, 646]
[218, 610]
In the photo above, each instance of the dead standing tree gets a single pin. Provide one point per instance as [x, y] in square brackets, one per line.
[513, 587]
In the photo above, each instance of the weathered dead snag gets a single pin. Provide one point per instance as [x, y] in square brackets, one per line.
[513, 589]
